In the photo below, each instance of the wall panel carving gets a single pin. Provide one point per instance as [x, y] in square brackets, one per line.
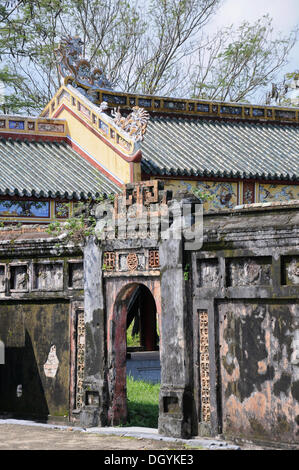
[248, 272]
[48, 276]
[19, 277]
[208, 273]
[131, 261]
[290, 270]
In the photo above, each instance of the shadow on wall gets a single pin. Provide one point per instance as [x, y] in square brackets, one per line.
[21, 389]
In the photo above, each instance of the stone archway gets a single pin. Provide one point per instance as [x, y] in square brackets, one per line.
[117, 345]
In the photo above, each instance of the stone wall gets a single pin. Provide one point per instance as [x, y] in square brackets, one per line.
[245, 298]
[229, 325]
[41, 307]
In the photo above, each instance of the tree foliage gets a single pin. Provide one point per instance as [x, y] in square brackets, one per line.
[150, 47]
[238, 62]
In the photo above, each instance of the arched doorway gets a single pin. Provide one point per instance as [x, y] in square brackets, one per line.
[141, 321]
[135, 303]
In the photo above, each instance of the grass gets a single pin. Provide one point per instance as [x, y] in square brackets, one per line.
[132, 340]
[143, 403]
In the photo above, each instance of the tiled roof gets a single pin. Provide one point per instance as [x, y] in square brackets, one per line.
[48, 169]
[176, 146]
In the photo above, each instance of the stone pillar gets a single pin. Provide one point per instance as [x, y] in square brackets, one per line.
[176, 400]
[94, 410]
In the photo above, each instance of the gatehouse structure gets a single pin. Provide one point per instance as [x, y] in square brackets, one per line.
[222, 315]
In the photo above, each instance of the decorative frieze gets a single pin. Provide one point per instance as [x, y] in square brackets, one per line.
[278, 192]
[132, 261]
[24, 208]
[16, 124]
[204, 364]
[50, 127]
[35, 126]
[129, 261]
[62, 210]
[83, 109]
[80, 359]
[43, 275]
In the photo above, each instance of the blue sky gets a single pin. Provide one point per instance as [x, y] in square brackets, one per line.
[285, 14]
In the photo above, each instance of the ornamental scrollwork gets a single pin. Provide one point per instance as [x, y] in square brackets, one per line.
[134, 124]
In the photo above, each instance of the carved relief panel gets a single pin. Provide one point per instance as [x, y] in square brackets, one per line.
[131, 261]
[48, 276]
[249, 272]
[19, 277]
[208, 273]
[290, 270]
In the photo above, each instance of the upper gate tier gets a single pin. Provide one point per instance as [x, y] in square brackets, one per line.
[192, 107]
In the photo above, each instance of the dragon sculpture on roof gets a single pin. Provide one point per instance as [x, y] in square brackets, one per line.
[77, 71]
[72, 65]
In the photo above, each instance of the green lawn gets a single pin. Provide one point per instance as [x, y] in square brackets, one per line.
[143, 403]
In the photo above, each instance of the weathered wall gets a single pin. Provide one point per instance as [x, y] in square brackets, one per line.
[28, 384]
[95, 404]
[176, 398]
[259, 383]
[41, 301]
[229, 327]
[246, 318]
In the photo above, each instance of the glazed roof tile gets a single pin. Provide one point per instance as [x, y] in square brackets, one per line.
[184, 146]
[48, 169]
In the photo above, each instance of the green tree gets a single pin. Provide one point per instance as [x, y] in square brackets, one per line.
[239, 62]
[153, 47]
